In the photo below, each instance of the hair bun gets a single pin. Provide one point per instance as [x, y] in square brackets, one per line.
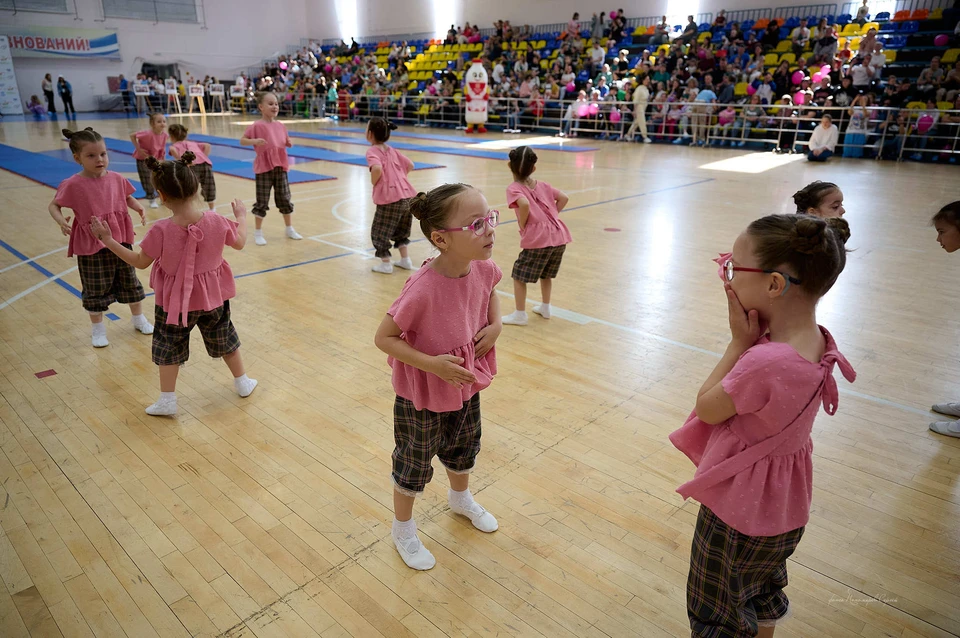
[67, 133]
[417, 205]
[154, 164]
[187, 158]
[810, 235]
[840, 228]
[392, 126]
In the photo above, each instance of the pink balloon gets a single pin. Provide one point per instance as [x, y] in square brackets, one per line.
[615, 116]
[924, 123]
[751, 90]
[799, 97]
[283, 65]
[825, 69]
[594, 109]
[798, 77]
[327, 68]
[613, 15]
[583, 111]
[571, 87]
[941, 40]
[817, 77]
[701, 54]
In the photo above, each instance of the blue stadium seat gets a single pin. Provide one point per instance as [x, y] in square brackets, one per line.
[844, 19]
[911, 26]
[704, 26]
[883, 15]
[746, 25]
[792, 23]
[812, 21]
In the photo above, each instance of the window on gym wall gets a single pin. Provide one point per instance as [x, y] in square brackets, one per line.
[153, 10]
[45, 6]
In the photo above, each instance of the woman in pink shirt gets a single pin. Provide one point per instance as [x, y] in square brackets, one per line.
[270, 140]
[150, 143]
[96, 193]
[391, 193]
[543, 237]
[439, 335]
[193, 282]
[749, 435]
[202, 167]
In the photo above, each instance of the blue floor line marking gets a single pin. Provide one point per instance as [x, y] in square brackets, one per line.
[112, 317]
[43, 271]
[456, 139]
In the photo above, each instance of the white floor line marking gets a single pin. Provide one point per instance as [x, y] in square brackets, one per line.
[356, 251]
[36, 287]
[32, 259]
[580, 319]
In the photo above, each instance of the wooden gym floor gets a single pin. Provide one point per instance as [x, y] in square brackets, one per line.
[270, 516]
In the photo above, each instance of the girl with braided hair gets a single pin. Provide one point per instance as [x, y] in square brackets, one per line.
[96, 193]
[749, 435]
[192, 280]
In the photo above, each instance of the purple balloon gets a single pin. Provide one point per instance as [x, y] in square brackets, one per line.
[327, 68]
[941, 40]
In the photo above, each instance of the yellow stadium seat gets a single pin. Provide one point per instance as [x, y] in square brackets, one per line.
[771, 59]
[851, 29]
[703, 37]
[868, 26]
[523, 46]
[412, 85]
[950, 56]
[945, 106]
[936, 14]
[788, 57]
[740, 89]
[854, 44]
[891, 55]
[639, 31]
[916, 106]
[541, 44]
[783, 46]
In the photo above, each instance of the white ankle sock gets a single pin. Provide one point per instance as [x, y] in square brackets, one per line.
[99, 328]
[404, 529]
[463, 499]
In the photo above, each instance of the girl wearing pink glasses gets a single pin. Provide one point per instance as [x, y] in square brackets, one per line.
[439, 335]
[749, 435]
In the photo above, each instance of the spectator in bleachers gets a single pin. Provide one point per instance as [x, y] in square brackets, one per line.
[951, 83]
[573, 28]
[823, 142]
[862, 74]
[855, 136]
[721, 20]
[771, 37]
[689, 32]
[930, 79]
[863, 13]
[749, 118]
[824, 41]
[735, 34]
[782, 77]
[597, 25]
[726, 91]
[597, 55]
[661, 32]
[617, 27]
[800, 40]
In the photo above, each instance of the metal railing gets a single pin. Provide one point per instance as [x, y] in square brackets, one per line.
[891, 134]
[805, 11]
[893, 6]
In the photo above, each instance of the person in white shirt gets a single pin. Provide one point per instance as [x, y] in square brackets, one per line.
[862, 74]
[597, 54]
[823, 141]
[498, 72]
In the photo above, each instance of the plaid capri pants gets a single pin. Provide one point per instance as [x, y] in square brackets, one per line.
[106, 278]
[420, 435]
[146, 179]
[391, 225]
[275, 178]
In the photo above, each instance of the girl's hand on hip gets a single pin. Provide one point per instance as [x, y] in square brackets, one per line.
[450, 369]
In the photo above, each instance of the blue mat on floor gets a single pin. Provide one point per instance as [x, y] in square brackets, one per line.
[225, 166]
[306, 152]
[44, 169]
[466, 139]
[405, 146]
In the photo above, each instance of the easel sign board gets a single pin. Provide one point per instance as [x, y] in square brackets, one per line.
[196, 91]
[172, 91]
[141, 89]
[236, 91]
[216, 90]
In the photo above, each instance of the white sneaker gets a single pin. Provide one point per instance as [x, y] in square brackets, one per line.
[293, 234]
[481, 518]
[647, 140]
[515, 318]
[143, 326]
[165, 406]
[244, 385]
[405, 263]
[543, 312]
[259, 239]
[950, 409]
[946, 428]
[384, 267]
[413, 553]
[99, 340]
[154, 203]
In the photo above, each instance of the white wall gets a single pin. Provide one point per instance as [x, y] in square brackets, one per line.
[239, 34]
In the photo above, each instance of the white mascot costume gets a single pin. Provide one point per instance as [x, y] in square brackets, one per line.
[475, 91]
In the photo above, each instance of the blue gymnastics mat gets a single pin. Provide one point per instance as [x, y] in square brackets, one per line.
[44, 169]
[467, 139]
[225, 166]
[306, 152]
[406, 146]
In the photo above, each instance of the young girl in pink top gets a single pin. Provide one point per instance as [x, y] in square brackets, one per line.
[543, 237]
[749, 435]
[150, 143]
[192, 280]
[270, 140]
[947, 223]
[202, 167]
[439, 335]
[391, 193]
[96, 193]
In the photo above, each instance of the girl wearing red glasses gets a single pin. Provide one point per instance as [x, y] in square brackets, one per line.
[749, 435]
[439, 335]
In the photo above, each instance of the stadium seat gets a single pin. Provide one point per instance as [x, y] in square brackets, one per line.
[916, 106]
[920, 14]
[950, 56]
[868, 26]
[901, 16]
[771, 59]
[945, 106]
[936, 14]
[783, 46]
[883, 15]
[891, 55]
[851, 29]
[740, 89]
[909, 27]
[792, 23]
[761, 24]
[844, 18]
[788, 57]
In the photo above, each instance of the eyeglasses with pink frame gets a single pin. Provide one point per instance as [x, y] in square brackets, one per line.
[479, 225]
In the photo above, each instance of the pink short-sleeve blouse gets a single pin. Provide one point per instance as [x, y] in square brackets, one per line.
[543, 227]
[440, 315]
[187, 145]
[393, 184]
[755, 471]
[151, 145]
[88, 197]
[273, 154]
[189, 271]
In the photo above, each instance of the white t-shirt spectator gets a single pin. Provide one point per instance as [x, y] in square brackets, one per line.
[877, 60]
[824, 138]
[498, 73]
[240, 81]
[521, 66]
[567, 78]
[861, 75]
[597, 54]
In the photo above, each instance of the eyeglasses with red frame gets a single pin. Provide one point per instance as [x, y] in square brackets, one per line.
[727, 270]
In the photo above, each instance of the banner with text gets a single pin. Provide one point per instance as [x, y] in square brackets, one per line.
[9, 93]
[55, 42]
